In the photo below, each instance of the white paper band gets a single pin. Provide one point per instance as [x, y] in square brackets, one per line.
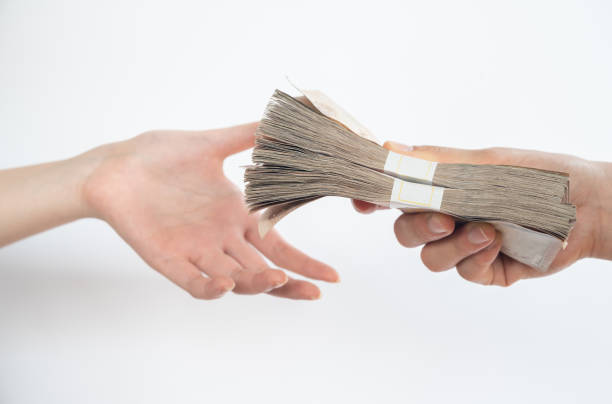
[412, 195]
[409, 168]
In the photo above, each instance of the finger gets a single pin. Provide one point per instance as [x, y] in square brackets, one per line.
[446, 253]
[286, 256]
[414, 229]
[254, 282]
[245, 254]
[508, 271]
[493, 155]
[188, 277]
[478, 267]
[236, 138]
[366, 207]
[298, 290]
[266, 278]
[249, 281]
[452, 155]
[363, 207]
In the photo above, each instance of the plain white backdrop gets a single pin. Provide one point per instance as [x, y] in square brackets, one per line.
[84, 320]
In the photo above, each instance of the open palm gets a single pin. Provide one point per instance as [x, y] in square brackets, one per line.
[165, 193]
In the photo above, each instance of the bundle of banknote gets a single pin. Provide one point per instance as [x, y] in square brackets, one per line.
[308, 147]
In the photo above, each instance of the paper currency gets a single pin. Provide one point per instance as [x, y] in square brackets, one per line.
[303, 153]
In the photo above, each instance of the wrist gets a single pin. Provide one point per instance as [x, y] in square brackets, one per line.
[81, 168]
[600, 203]
[89, 189]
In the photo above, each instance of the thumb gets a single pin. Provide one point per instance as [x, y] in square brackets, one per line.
[235, 138]
[451, 155]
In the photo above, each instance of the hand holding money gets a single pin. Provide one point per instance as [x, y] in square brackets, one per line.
[474, 248]
[513, 208]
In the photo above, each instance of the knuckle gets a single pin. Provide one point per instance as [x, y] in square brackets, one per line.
[427, 257]
[200, 290]
[405, 240]
[469, 272]
[472, 271]
[409, 230]
[195, 289]
[235, 273]
[400, 230]
[462, 247]
[482, 258]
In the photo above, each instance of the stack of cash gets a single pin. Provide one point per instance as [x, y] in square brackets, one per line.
[301, 155]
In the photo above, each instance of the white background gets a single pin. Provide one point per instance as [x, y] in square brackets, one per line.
[83, 320]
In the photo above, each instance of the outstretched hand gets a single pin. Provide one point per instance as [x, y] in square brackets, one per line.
[165, 194]
[474, 248]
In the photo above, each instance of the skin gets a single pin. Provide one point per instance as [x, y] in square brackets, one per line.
[165, 194]
[473, 249]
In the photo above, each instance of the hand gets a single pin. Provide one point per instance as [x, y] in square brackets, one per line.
[473, 248]
[164, 192]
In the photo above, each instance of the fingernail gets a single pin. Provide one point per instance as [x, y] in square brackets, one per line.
[277, 284]
[477, 235]
[492, 246]
[317, 296]
[223, 289]
[399, 146]
[435, 224]
[282, 282]
[227, 286]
